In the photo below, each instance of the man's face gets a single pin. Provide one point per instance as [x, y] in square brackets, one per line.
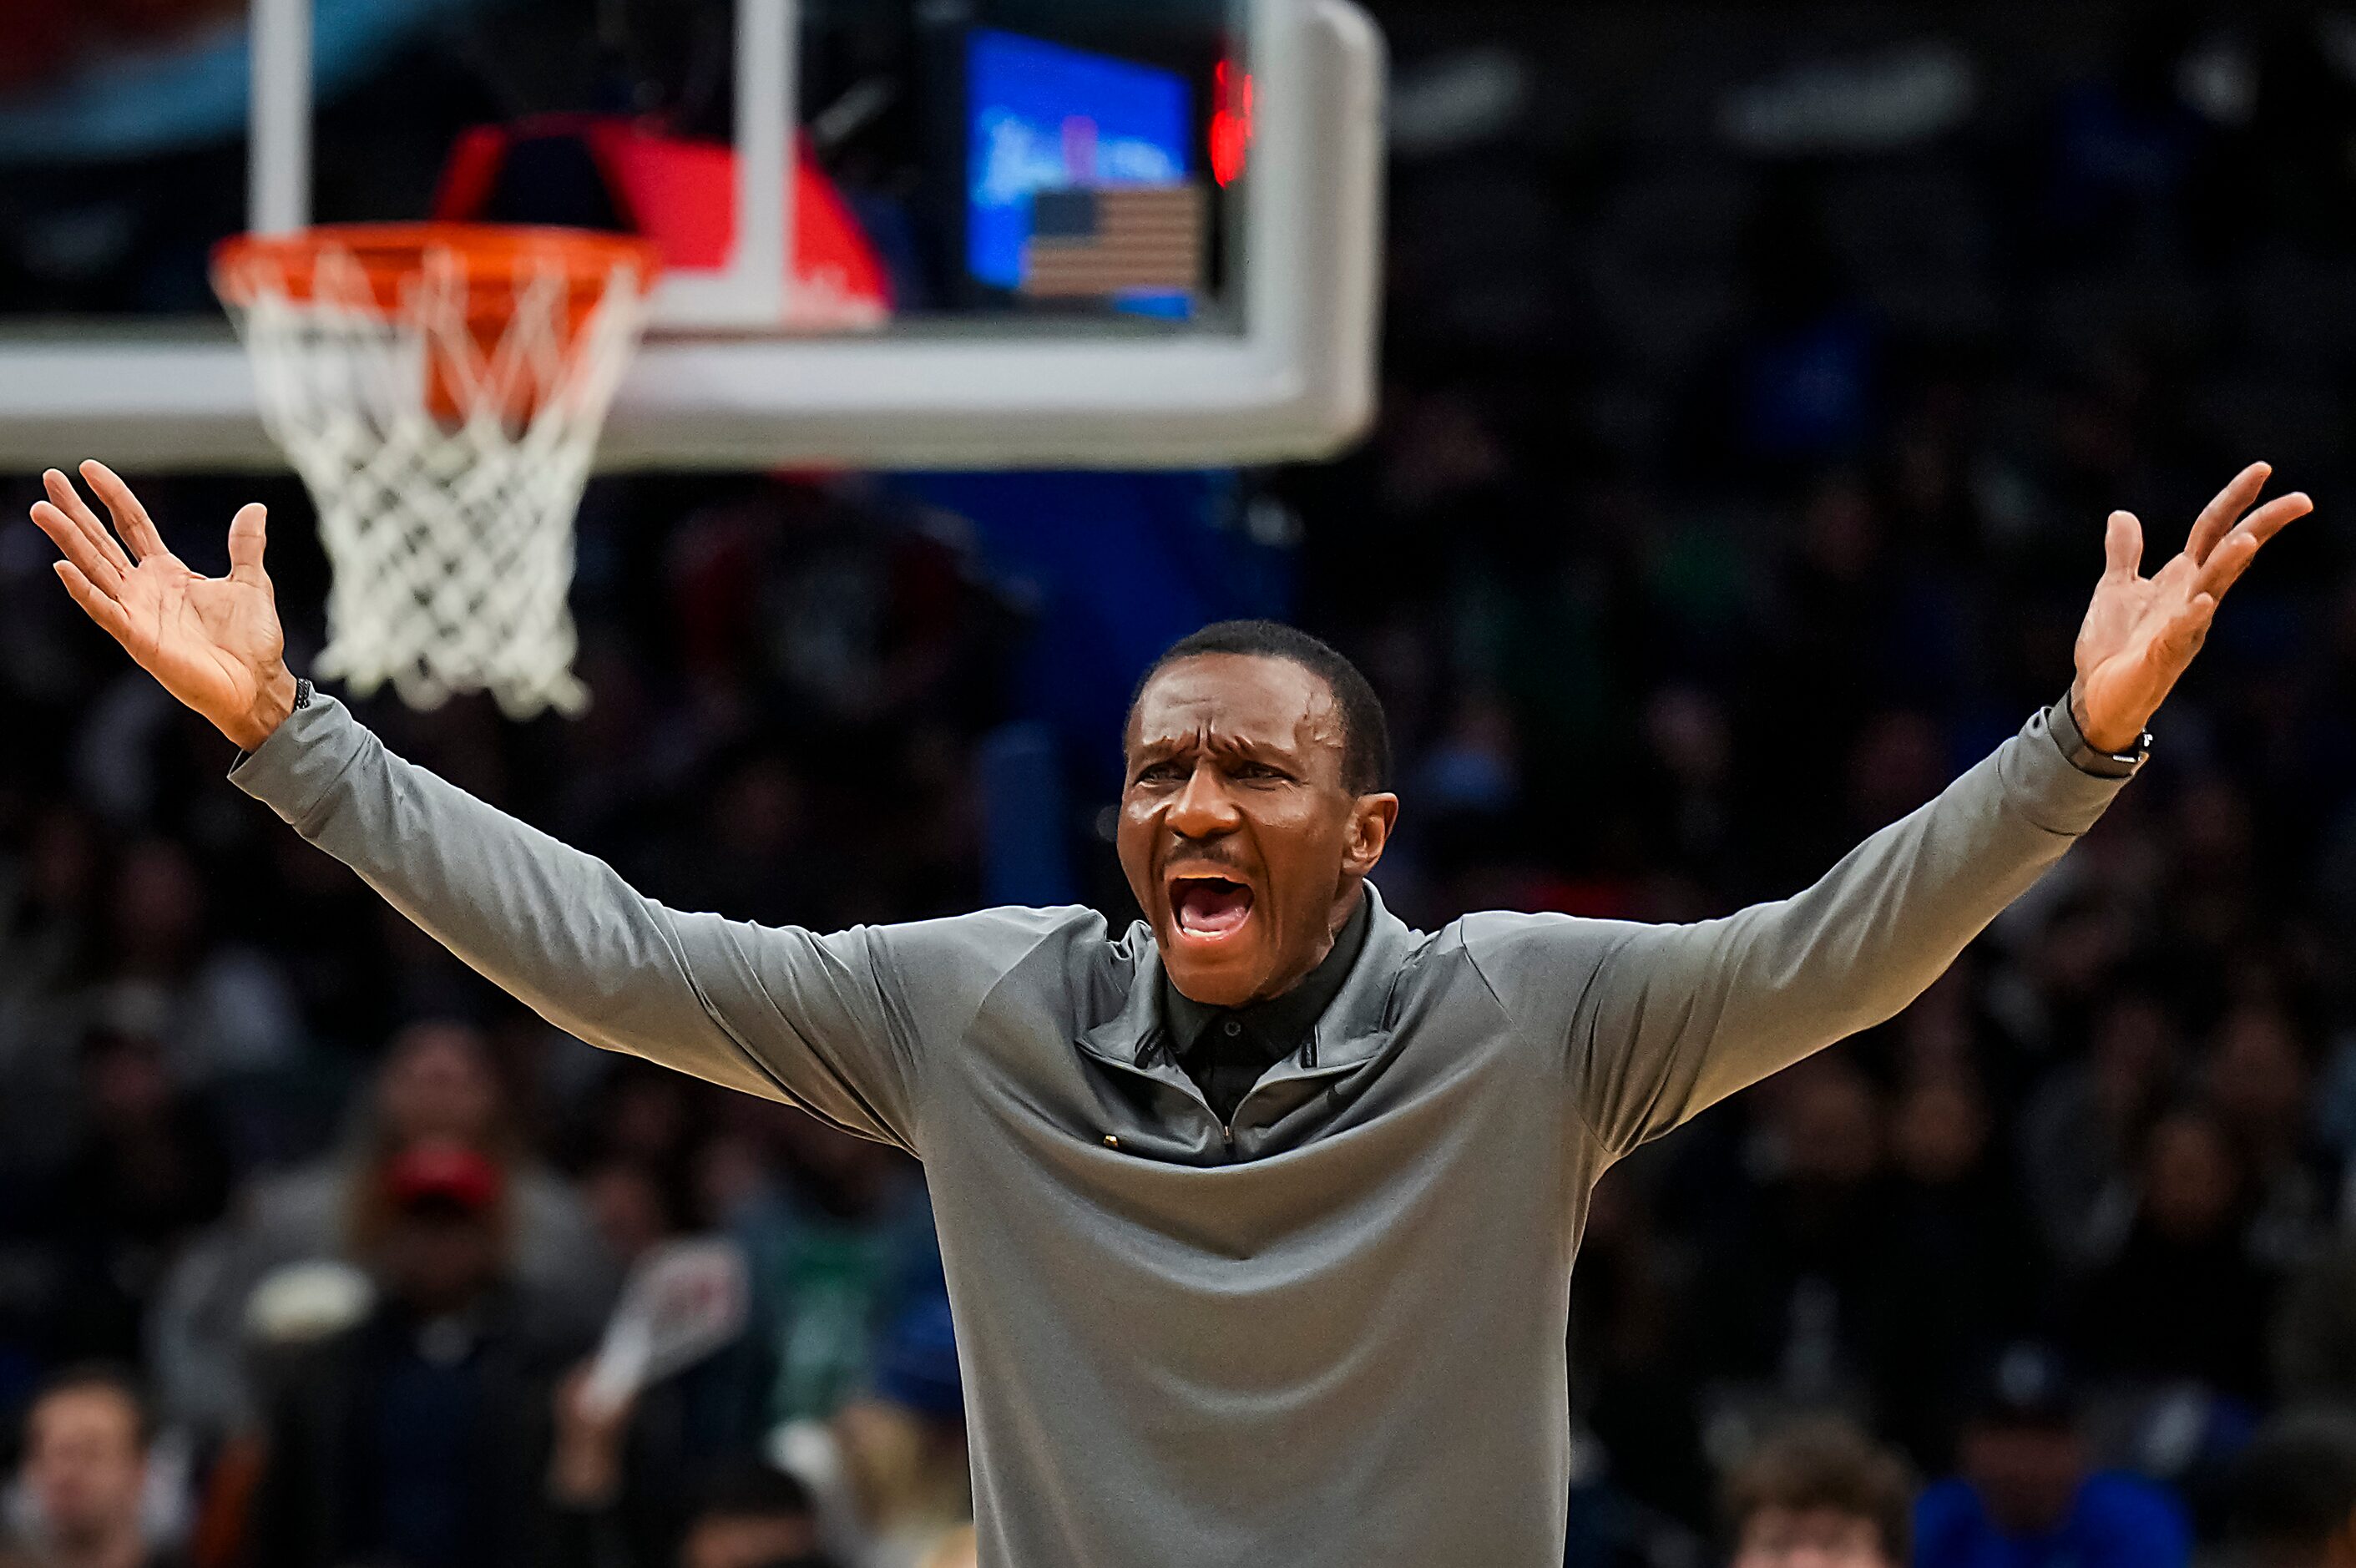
[438, 1261]
[1810, 1538]
[84, 1464]
[1237, 836]
[438, 1084]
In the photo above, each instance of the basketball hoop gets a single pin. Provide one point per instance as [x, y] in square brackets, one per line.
[440, 388]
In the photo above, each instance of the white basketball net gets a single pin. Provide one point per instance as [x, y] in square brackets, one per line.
[452, 548]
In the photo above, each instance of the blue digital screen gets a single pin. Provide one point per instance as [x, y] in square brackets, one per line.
[1041, 116]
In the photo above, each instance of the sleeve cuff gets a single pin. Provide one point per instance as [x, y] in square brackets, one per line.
[293, 771]
[2083, 755]
[2043, 784]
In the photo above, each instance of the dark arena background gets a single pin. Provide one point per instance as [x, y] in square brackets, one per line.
[1754, 383]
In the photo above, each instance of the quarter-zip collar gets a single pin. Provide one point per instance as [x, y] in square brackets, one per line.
[1262, 1033]
[1347, 1036]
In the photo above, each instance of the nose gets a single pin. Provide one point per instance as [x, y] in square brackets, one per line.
[1203, 809]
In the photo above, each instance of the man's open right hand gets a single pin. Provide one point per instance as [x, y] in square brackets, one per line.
[214, 642]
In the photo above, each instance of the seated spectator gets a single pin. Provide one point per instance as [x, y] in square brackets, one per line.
[2080, 1130]
[746, 1514]
[628, 1206]
[417, 1437]
[2293, 1502]
[2258, 1076]
[2028, 1497]
[85, 1475]
[890, 1470]
[220, 1010]
[625, 1474]
[149, 1168]
[437, 1083]
[1630, 1391]
[52, 914]
[1963, 1269]
[2183, 1302]
[839, 1231]
[1820, 1494]
[1790, 1297]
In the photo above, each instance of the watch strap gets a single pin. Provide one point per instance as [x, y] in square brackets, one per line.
[2062, 724]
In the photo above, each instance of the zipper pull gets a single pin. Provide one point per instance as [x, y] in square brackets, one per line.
[1228, 1133]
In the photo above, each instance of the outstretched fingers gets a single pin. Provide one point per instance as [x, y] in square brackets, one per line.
[69, 502]
[96, 566]
[2231, 558]
[101, 607]
[2276, 515]
[2219, 516]
[130, 519]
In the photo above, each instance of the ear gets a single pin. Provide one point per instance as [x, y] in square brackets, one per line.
[1372, 817]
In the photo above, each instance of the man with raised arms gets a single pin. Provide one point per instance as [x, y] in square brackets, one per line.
[1259, 1217]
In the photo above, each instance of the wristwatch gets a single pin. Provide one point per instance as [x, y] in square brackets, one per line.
[304, 692]
[2083, 754]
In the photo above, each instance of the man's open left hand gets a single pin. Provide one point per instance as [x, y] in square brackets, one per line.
[2140, 632]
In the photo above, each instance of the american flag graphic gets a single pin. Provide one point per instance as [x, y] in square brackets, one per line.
[1088, 243]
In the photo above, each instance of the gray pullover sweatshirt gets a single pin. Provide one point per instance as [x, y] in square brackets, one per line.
[1328, 1334]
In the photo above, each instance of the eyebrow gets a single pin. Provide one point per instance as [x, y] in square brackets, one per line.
[1231, 747]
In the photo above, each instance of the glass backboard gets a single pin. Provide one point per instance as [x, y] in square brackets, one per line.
[1001, 232]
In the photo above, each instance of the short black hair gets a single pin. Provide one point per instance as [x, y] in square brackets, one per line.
[1366, 733]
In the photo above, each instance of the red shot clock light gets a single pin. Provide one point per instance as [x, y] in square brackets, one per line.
[1231, 121]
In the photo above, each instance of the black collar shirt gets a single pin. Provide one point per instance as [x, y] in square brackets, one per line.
[1225, 1049]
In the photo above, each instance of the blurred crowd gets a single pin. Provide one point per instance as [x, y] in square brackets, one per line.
[1756, 385]
[335, 1230]
[1755, 397]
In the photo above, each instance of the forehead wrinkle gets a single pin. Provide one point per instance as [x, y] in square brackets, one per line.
[1225, 742]
[1175, 738]
[1313, 715]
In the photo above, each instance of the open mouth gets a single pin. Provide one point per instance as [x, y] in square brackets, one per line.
[1208, 908]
